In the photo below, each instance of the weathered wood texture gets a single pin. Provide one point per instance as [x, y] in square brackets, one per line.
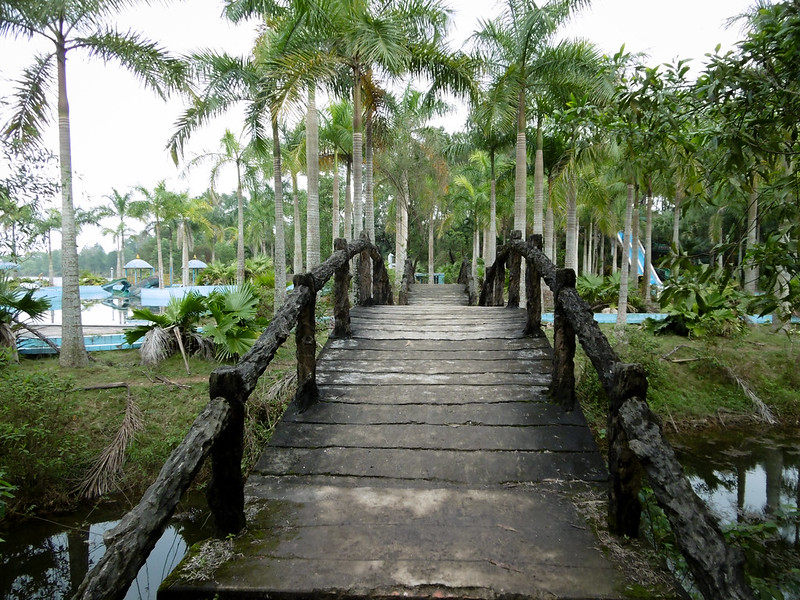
[406, 282]
[219, 431]
[414, 478]
[636, 441]
[131, 541]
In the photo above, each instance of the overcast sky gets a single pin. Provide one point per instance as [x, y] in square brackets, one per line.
[119, 130]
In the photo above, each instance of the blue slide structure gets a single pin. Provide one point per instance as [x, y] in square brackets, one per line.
[654, 278]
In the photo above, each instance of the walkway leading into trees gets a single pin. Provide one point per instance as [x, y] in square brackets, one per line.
[433, 467]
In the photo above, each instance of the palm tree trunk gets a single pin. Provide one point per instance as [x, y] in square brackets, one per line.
[571, 258]
[185, 254]
[335, 201]
[280, 241]
[751, 267]
[369, 202]
[549, 226]
[312, 185]
[520, 183]
[120, 246]
[159, 254]
[73, 350]
[348, 205]
[633, 255]
[622, 304]
[431, 269]
[648, 245]
[614, 255]
[476, 247]
[298, 238]
[239, 226]
[491, 251]
[676, 222]
[401, 229]
[358, 161]
[538, 184]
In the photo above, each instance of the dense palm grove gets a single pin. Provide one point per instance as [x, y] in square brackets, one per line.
[338, 138]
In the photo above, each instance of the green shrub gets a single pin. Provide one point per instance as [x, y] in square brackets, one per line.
[35, 411]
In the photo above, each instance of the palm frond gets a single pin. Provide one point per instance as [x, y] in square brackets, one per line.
[30, 110]
[145, 59]
[158, 345]
[105, 469]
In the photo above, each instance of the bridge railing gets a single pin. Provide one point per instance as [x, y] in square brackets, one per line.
[636, 443]
[219, 429]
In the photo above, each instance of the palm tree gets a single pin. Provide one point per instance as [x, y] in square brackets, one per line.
[118, 206]
[72, 25]
[337, 134]
[518, 48]
[234, 153]
[158, 204]
[294, 146]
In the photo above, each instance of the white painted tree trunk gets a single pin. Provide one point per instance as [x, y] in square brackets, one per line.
[312, 185]
[622, 304]
[751, 270]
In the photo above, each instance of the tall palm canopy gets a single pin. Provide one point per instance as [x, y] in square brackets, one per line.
[74, 26]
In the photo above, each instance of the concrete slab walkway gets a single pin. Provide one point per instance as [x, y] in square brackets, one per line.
[433, 467]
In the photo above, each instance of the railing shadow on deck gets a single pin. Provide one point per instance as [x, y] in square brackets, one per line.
[218, 430]
[636, 443]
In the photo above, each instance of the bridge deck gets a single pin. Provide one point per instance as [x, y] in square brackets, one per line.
[432, 468]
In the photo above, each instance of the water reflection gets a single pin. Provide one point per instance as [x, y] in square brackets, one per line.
[47, 559]
[745, 476]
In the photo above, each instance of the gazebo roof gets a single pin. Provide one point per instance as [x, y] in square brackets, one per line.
[138, 263]
[196, 263]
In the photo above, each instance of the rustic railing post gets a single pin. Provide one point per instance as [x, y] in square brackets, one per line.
[515, 269]
[562, 387]
[624, 470]
[364, 275]
[499, 279]
[225, 491]
[533, 291]
[341, 294]
[381, 288]
[406, 282]
[305, 337]
[487, 289]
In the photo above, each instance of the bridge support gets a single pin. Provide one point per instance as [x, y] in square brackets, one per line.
[533, 291]
[225, 491]
[305, 336]
[624, 470]
[515, 268]
[562, 387]
[341, 298]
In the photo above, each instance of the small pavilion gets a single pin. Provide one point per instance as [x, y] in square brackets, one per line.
[195, 266]
[139, 267]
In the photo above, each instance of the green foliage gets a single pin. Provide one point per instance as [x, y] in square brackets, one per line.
[599, 291]
[702, 301]
[35, 413]
[234, 312]
[89, 278]
[217, 273]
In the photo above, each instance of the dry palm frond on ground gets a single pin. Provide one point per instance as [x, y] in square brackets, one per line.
[102, 476]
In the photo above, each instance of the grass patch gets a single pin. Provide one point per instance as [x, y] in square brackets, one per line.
[691, 381]
[52, 427]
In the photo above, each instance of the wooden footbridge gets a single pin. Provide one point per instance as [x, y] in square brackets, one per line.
[423, 457]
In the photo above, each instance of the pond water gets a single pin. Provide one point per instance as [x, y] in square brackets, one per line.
[48, 558]
[745, 475]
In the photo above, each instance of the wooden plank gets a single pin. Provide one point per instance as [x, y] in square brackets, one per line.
[415, 393]
[499, 413]
[553, 438]
[488, 379]
[435, 367]
[441, 466]
[438, 345]
[452, 353]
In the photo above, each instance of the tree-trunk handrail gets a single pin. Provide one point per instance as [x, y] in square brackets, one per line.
[635, 437]
[406, 282]
[219, 428]
[468, 281]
